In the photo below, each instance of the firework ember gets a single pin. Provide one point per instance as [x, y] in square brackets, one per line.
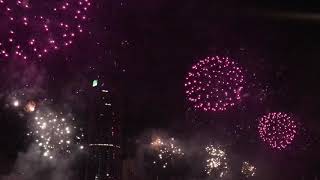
[30, 106]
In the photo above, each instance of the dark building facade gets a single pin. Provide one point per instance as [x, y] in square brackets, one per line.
[104, 133]
[106, 95]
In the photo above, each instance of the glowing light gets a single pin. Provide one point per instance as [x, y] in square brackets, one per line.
[16, 103]
[277, 129]
[216, 164]
[214, 84]
[33, 29]
[94, 83]
[248, 170]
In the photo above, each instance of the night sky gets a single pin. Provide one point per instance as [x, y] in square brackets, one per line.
[156, 42]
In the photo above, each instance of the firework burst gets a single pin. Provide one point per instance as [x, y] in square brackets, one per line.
[277, 129]
[216, 164]
[55, 134]
[214, 84]
[248, 169]
[166, 150]
[34, 29]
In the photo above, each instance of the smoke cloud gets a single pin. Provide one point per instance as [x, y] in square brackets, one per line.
[30, 165]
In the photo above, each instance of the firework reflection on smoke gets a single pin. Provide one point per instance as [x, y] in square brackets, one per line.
[54, 133]
[247, 169]
[167, 149]
[216, 164]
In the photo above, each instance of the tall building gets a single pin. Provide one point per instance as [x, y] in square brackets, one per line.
[105, 95]
[104, 133]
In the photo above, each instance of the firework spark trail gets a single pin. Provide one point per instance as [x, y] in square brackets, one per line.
[167, 150]
[216, 164]
[34, 29]
[55, 134]
[277, 129]
[214, 84]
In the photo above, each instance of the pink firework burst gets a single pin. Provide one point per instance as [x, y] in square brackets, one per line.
[277, 129]
[34, 28]
[214, 84]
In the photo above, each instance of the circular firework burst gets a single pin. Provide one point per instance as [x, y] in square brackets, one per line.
[34, 29]
[278, 129]
[214, 84]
